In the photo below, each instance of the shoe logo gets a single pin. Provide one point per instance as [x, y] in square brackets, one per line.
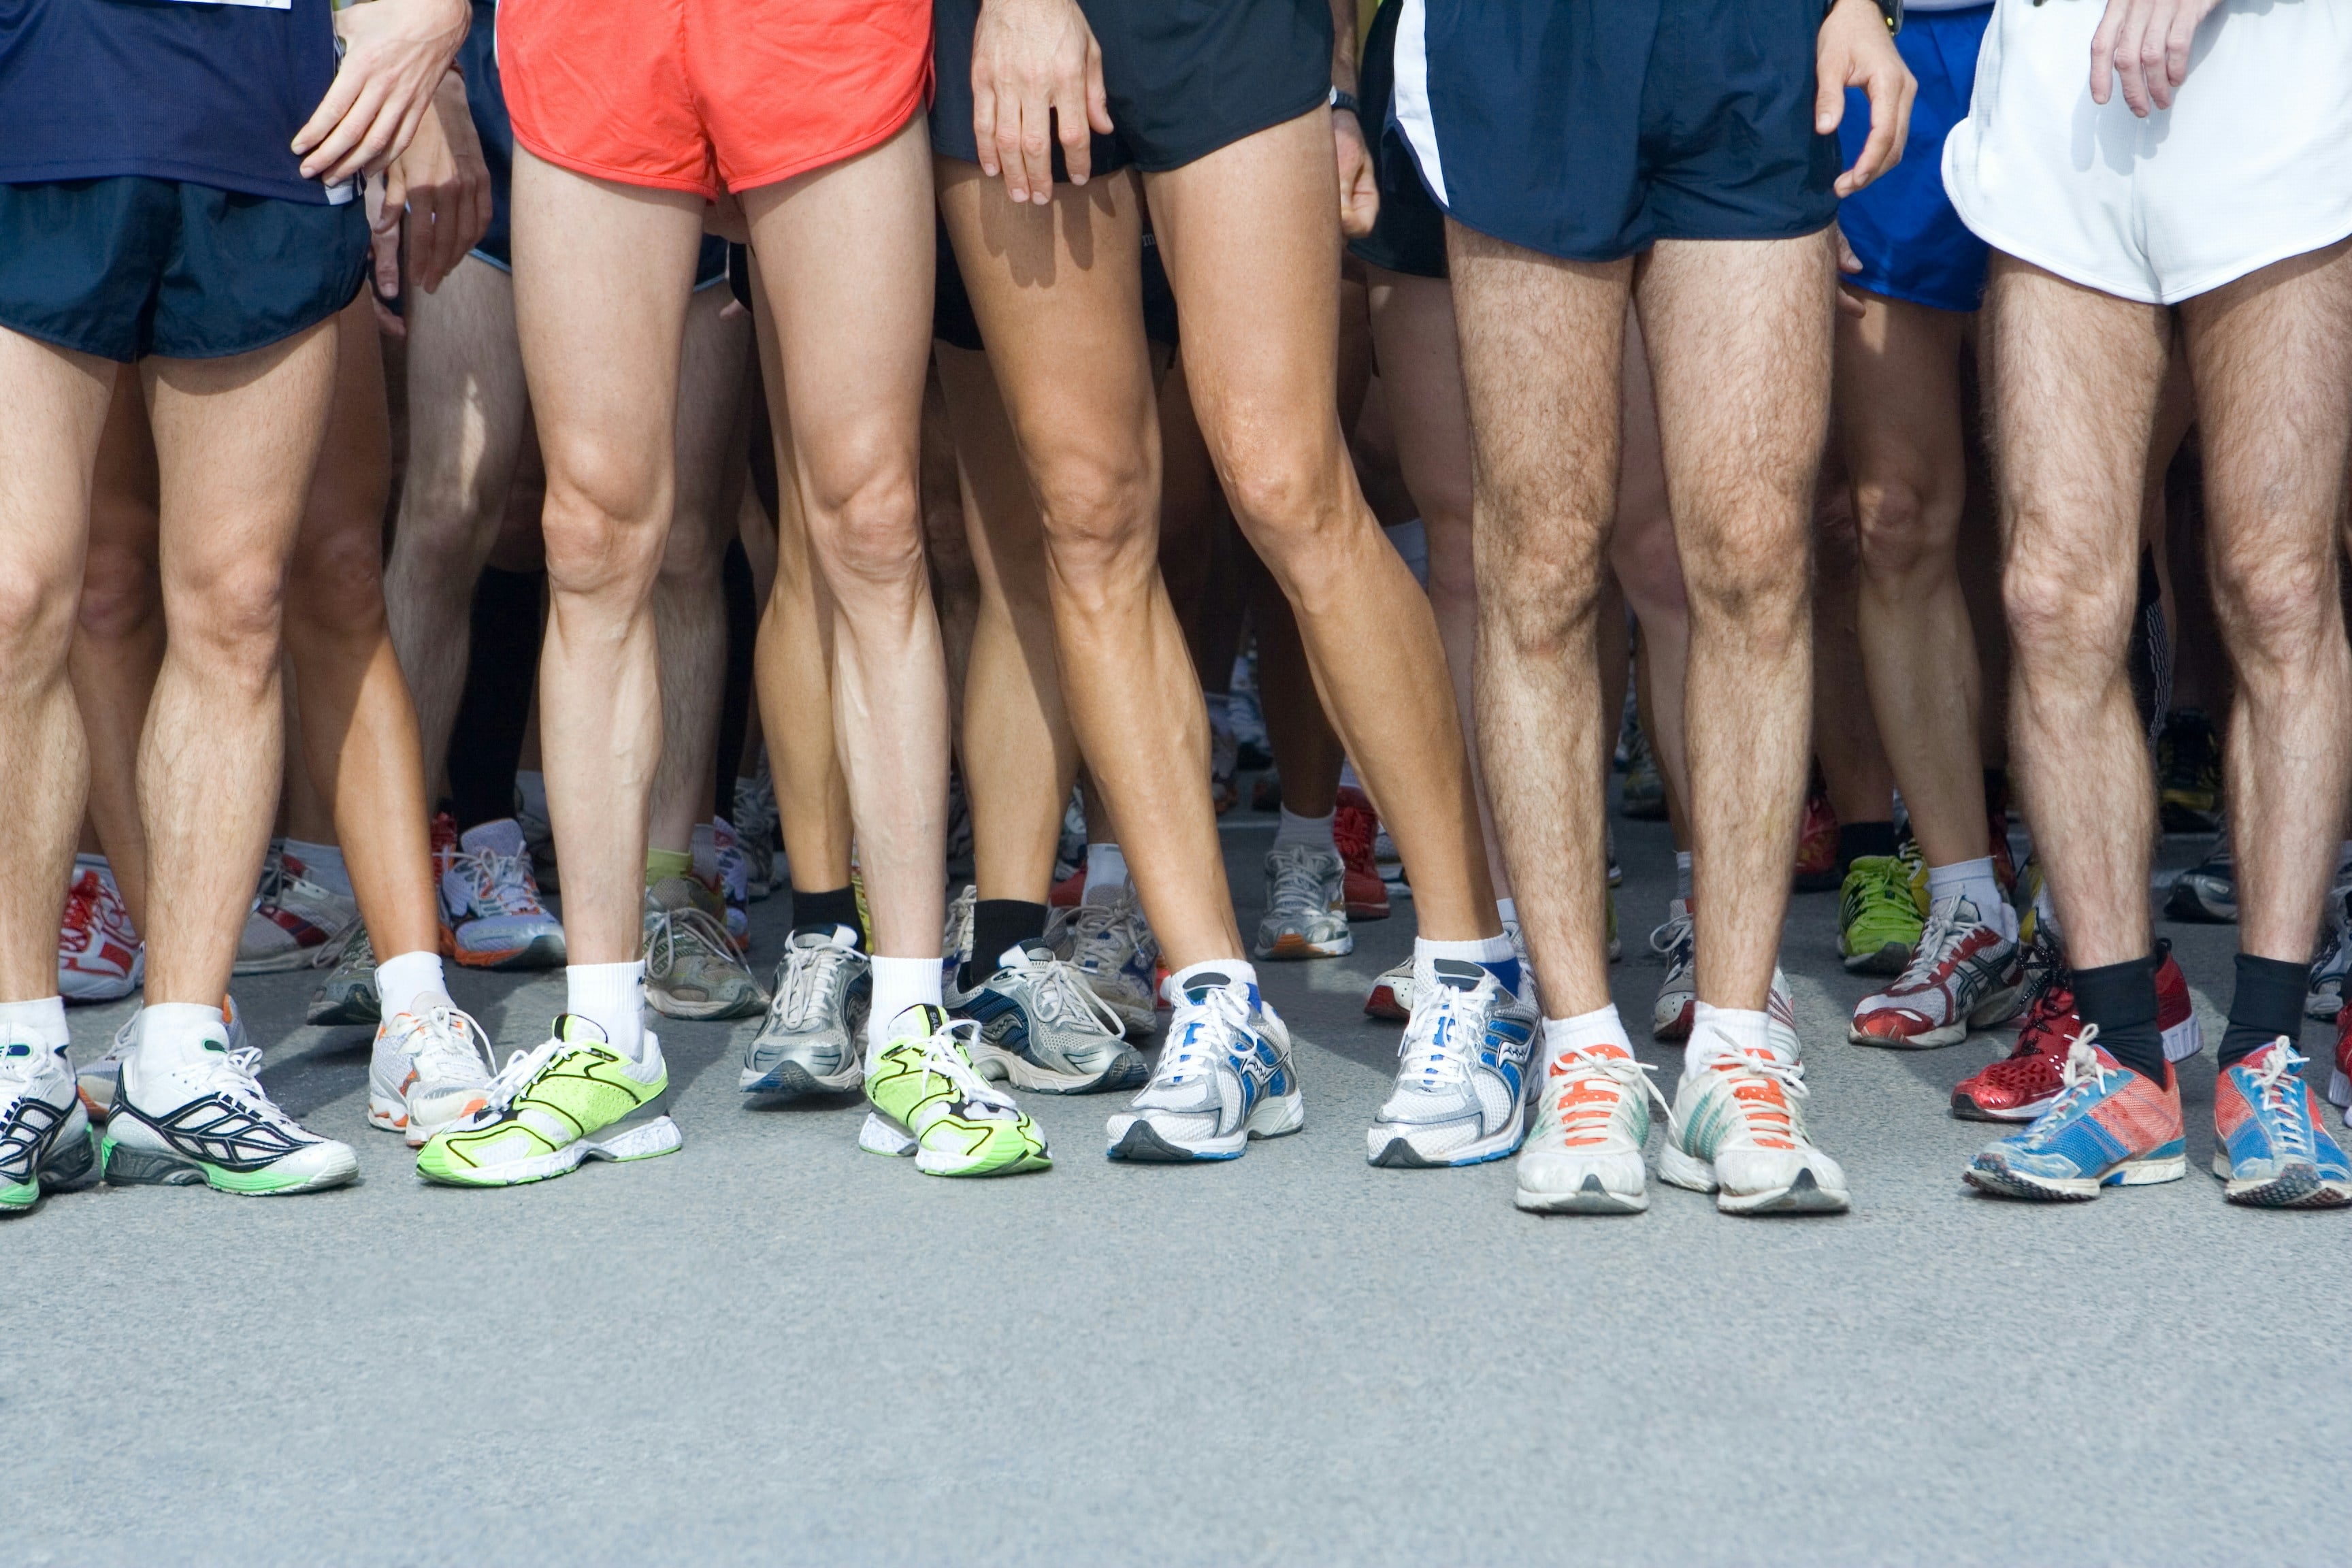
[219, 1130]
[25, 1137]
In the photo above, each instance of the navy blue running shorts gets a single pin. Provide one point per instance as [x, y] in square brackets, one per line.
[128, 267]
[1184, 76]
[1409, 235]
[1589, 130]
[1912, 245]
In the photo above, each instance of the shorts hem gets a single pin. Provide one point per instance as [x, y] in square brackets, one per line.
[1224, 139]
[1388, 261]
[155, 350]
[1879, 289]
[2138, 292]
[1806, 229]
[865, 143]
[530, 143]
[43, 335]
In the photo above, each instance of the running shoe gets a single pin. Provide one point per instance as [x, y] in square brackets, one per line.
[572, 1099]
[1305, 905]
[813, 1040]
[2339, 1082]
[2028, 1081]
[100, 955]
[1817, 846]
[1677, 941]
[2188, 772]
[46, 1144]
[2004, 859]
[1355, 827]
[1461, 1093]
[929, 1101]
[1391, 999]
[1224, 762]
[1592, 1118]
[692, 967]
[1112, 948]
[1882, 912]
[955, 939]
[427, 1070]
[2333, 960]
[491, 917]
[1965, 975]
[1738, 1129]
[2207, 893]
[348, 995]
[1041, 1027]
[2270, 1142]
[721, 865]
[755, 817]
[1388, 861]
[97, 1082]
[2028, 895]
[1642, 795]
[205, 1118]
[292, 918]
[1224, 1077]
[2108, 1127]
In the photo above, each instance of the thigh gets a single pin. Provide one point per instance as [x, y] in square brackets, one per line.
[343, 522]
[1897, 388]
[713, 376]
[53, 408]
[1001, 523]
[467, 403]
[1420, 376]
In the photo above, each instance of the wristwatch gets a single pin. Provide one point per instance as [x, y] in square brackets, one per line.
[1346, 100]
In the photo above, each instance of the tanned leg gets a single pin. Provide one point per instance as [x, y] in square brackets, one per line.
[118, 645]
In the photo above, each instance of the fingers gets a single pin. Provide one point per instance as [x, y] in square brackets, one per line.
[1828, 99]
[2103, 44]
[1072, 88]
[983, 120]
[2175, 49]
[1098, 96]
[1038, 141]
[337, 158]
[1890, 123]
[1847, 260]
[342, 93]
[383, 255]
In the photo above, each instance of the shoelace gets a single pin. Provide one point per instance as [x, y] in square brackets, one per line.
[1192, 1048]
[516, 1077]
[2271, 1081]
[238, 1073]
[350, 947]
[92, 907]
[451, 1041]
[2083, 1074]
[1581, 1115]
[1884, 894]
[1297, 882]
[1943, 928]
[944, 1056]
[1672, 940]
[500, 883]
[1102, 936]
[1065, 994]
[1441, 1035]
[809, 980]
[1759, 1113]
[691, 932]
[1352, 831]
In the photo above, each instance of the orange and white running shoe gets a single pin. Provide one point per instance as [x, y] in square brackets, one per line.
[1592, 1117]
[491, 917]
[1739, 1126]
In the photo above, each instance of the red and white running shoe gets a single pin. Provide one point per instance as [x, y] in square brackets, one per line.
[1964, 974]
[100, 955]
[2029, 1081]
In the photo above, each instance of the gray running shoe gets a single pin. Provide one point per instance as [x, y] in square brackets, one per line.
[1112, 946]
[1677, 941]
[1043, 1027]
[814, 1040]
[691, 970]
[1463, 1066]
[348, 995]
[1305, 905]
[2207, 893]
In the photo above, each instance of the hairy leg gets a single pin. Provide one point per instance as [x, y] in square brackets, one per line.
[118, 645]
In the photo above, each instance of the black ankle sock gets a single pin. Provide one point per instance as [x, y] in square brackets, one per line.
[2268, 1003]
[1860, 838]
[997, 924]
[825, 910]
[1996, 785]
[2120, 998]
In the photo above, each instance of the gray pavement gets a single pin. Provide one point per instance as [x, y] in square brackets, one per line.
[772, 1348]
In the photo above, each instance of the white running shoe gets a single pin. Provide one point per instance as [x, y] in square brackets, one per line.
[1460, 1094]
[1223, 1076]
[1738, 1131]
[721, 865]
[1305, 905]
[755, 818]
[955, 941]
[1390, 998]
[293, 919]
[814, 1041]
[1676, 942]
[44, 1141]
[97, 1082]
[204, 1117]
[491, 915]
[1111, 944]
[100, 955]
[1592, 1118]
[429, 1070]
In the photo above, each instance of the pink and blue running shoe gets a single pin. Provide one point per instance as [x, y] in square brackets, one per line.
[2271, 1146]
[2109, 1126]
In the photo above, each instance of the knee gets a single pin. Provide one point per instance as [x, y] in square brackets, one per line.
[337, 577]
[1097, 518]
[1899, 529]
[870, 531]
[1289, 505]
[227, 614]
[36, 621]
[2060, 610]
[1755, 581]
[120, 597]
[1538, 586]
[2275, 608]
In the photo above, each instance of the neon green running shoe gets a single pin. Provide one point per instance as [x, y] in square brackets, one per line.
[1880, 913]
[928, 1102]
[574, 1098]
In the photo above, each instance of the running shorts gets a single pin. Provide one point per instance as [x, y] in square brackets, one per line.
[1589, 130]
[1184, 76]
[1409, 235]
[953, 324]
[1901, 226]
[128, 267]
[2252, 165]
[691, 95]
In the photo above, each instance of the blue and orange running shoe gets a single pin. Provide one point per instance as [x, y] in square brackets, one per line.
[2270, 1145]
[2109, 1126]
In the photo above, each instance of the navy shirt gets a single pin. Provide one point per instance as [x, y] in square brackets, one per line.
[211, 94]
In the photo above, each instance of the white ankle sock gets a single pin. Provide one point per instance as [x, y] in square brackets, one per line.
[1599, 1027]
[1719, 1032]
[1106, 874]
[899, 984]
[322, 864]
[613, 997]
[174, 1031]
[411, 981]
[1682, 875]
[1314, 832]
[1976, 879]
[44, 1021]
[1234, 970]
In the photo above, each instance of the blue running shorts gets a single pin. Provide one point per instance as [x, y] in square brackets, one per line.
[1911, 243]
[1409, 235]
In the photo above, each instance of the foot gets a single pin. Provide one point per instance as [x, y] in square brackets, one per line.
[1815, 871]
[2108, 1127]
[429, 1070]
[575, 1098]
[348, 995]
[1356, 829]
[201, 1115]
[491, 915]
[692, 969]
[292, 920]
[725, 872]
[1965, 975]
[1305, 905]
[1041, 1027]
[100, 955]
[2207, 893]
[1881, 913]
[1739, 1131]
[1224, 1077]
[929, 1101]
[97, 1082]
[2271, 1145]
[45, 1139]
[1463, 1068]
[813, 1040]
[2029, 1081]
[1592, 1118]
[755, 819]
[1111, 946]
[1676, 942]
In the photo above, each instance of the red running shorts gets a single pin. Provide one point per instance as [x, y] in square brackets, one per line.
[687, 95]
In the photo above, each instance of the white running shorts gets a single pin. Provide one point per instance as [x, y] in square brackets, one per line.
[2252, 165]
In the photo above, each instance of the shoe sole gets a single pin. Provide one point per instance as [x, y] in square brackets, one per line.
[75, 986]
[73, 1162]
[634, 1140]
[386, 1114]
[1967, 1110]
[891, 1139]
[2298, 1187]
[1382, 1004]
[1368, 911]
[1127, 1071]
[1987, 1014]
[1140, 1141]
[2183, 905]
[1803, 1195]
[132, 1167]
[1389, 1150]
[1590, 1198]
[746, 1005]
[281, 963]
[789, 1080]
[2001, 1181]
[1291, 946]
[539, 952]
[1676, 1025]
[342, 1013]
[1893, 958]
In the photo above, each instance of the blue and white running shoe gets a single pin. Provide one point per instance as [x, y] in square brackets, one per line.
[1041, 1027]
[2270, 1144]
[1224, 1077]
[1460, 1094]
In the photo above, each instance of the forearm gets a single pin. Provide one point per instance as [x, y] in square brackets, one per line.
[1343, 45]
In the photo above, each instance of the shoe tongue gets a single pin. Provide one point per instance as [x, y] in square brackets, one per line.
[1033, 952]
[505, 835]
[839, 936]
[1457, 972]
[1197, 989]
[920, 1022]
[573, 1029]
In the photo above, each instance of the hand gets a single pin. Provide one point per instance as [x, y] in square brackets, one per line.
[383, 261]
[442, 183]
[1849, 300]
[1359, 192]
[396, 53]
[1033, 62]
[1855, 49]
[2145, 42]
[724, 217]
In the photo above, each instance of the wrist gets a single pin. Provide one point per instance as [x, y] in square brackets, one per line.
[1343, 98]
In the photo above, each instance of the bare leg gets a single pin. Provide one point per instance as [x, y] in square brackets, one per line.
[118, 645]
[1855, 769]
[1642, 548]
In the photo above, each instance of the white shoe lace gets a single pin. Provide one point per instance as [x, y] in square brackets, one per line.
[2081, 1067]
[499, 883]
[810, 977]
[450, 1042]
[1582, 1064]
[688, 933]
[238, 1073]
[1752, 1111]
[1189, 1051]
[2281, 1067]
[1935, 938]
[349, 947]
[1102, 935]
[755, 804]
[1440, 1042]
[1062, 994]
[944, 1054]
[514, 1078]
[1672, 940]
[1299, 882]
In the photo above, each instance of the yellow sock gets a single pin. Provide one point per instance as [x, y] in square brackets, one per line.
[663, 864]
